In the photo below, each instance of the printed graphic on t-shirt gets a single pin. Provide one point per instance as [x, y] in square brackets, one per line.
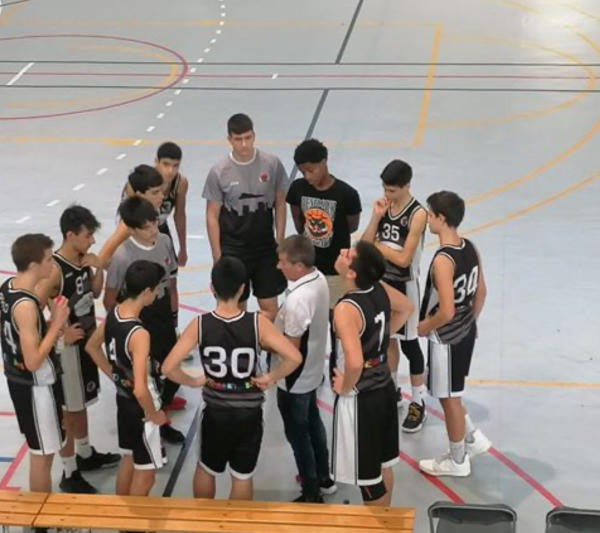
[319, 215]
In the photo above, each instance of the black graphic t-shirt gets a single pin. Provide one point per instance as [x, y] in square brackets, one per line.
[326, 218]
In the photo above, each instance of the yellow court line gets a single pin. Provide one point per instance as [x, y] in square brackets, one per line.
[428, 86]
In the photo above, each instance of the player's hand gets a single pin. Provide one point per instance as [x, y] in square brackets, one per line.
[338, 382]
[158, 417]
[199, 382]
[380, 207]
[73, 333]
[91, 260]
[264, 382]
[423, 329]
[59, 311]
[182, 258]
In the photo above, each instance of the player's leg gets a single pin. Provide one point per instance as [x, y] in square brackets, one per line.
[246, 432]
[204, 483]
[267, 284]
[215, 441]
[125, 474]
[40, 467]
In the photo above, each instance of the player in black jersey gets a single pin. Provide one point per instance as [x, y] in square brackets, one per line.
[230, 341]
[30, 364]
[453, 300]
[136, 377]
[365, 419]
[76, 276]
[397, 228]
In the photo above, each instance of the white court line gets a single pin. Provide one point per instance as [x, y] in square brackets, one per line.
[160, 115]
[79, 187]
[213, 41]
[169, 103]
[218, 32]
[192, 70]
[206, 50]
[121, 156]
[20, 73]
[101, 171]
[137, 142]
[274, 76]
[177, 92]
[52, 203]
[222, 23]
[200, 59]
[23, 219]
[150, 128]
[186, 81]
[223, 14]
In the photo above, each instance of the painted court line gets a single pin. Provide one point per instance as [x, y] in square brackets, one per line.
[52, 203]
[17, 77]
[23, 219]
[10, 472]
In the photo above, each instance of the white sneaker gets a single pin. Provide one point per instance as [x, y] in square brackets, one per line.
[445, 466]
[480, 445]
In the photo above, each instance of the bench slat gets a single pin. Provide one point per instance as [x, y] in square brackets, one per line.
[19, 507]
[15, 496]
[16, 519]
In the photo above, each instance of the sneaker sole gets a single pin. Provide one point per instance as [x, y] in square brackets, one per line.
[418, 428]
[329, 491]
[476, 453]
[101, 467]
[443, 474]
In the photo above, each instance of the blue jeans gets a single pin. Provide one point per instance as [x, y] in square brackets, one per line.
[306, 434]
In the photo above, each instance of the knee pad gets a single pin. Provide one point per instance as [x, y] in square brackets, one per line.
[373, 492]
[412, 351]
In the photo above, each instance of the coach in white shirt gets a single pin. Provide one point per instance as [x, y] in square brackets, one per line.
[303, 318]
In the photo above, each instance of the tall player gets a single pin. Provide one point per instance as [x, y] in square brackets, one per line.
[365, 418]
[77, 276]
[397, 227]
[30, 363]
[230, 341]
[453, 300]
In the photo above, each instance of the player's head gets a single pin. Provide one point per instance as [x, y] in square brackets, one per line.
[227, 278]
[141, 218]
[296, 257]
[78, 225]
[446, 208]
[168, 159]
[310, 157]
[33, 253]
[363, 264]
[146, 181]
[240, 133]
[141, 281]
[395, 178]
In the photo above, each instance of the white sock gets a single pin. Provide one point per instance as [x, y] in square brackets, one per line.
[457, 451]
[70, 465]
[83, 448]
[418, 394]
[469, 429]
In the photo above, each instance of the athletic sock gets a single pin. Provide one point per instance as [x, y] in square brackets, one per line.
[457, 451]
[83, 447]
[418, 394]
[69, 465]
[469, 429]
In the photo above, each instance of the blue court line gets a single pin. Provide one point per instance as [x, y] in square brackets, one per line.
[6, 459]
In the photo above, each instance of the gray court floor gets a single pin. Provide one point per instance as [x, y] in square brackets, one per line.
[495, 99]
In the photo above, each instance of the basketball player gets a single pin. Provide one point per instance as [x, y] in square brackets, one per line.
[397, 227]
[229, 341]
[76, 276]
[365, 418]
[30, 363]
[136, 377]
[453, 300]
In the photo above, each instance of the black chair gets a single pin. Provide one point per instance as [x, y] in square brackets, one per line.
[570, 519]
[466, 518]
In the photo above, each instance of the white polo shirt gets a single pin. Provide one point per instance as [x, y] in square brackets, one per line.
[305, 314]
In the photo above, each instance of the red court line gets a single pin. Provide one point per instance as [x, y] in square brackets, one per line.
[440, 485]
[511, 465]
[7, 413]
[10, 472]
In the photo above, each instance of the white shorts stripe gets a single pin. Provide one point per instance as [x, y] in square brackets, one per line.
[413, 293]
[153, 446]
[345, 440]
[46, 420]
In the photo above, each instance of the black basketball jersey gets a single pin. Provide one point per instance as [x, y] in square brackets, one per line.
[14, 363]
[373, 306]
[76, 287]
[169, 201]
[117, 333]
[466, 279]
[229, 353]
[393, 231]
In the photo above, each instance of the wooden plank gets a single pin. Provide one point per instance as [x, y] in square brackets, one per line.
[30, 497]
[18, 507]
[140, 524]
[228, 515]
[16, 519]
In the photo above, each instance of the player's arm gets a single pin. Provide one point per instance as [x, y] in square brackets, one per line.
[401, 307]
[443, 275]
[180, 219]
[115, 278]
[353, 222]
[93, 261]
[379, 208]
[348, 323]
[271, 339]
[139, 348]
[110, 298]
[213, 210]
[93, 347]
[119, 236]
[47, 289]
[480, 292]
[298, 218]
[34, 349]
[185, 344]
[403, 258]
[280, 215]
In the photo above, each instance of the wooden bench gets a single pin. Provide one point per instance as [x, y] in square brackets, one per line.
[82, 511]
[20, 508]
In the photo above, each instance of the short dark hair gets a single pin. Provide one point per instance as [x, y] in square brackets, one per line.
[227, 276]
[144, 177]
[310, 151]
[169, 150]
[141, 275]
[75, 218]
[238, 124]
[136, 212]
[369, 264]
[450, 205]
[298, 249]
[396, 173]
[30, 248]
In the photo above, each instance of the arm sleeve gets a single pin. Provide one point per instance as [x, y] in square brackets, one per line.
[353, 206]
[282, 182]
[297, 317]
[115, 276]
[212, 190]
[292, 197]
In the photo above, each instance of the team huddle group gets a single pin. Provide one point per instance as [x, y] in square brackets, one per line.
[320, 298]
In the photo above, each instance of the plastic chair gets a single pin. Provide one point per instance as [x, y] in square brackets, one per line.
[476, 518]
[570, 519]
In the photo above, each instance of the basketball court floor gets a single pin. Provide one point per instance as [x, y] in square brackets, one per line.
[495, 99]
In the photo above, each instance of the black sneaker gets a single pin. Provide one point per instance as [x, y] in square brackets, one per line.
[76, 484]
[415, 418]
[171, 435]
[97, 460]
[328, 486]
[399, 396]
[309, 498]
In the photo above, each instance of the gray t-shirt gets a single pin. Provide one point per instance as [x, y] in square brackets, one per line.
[246, 192]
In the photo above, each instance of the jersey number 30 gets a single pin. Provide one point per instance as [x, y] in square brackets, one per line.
[214, 359]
